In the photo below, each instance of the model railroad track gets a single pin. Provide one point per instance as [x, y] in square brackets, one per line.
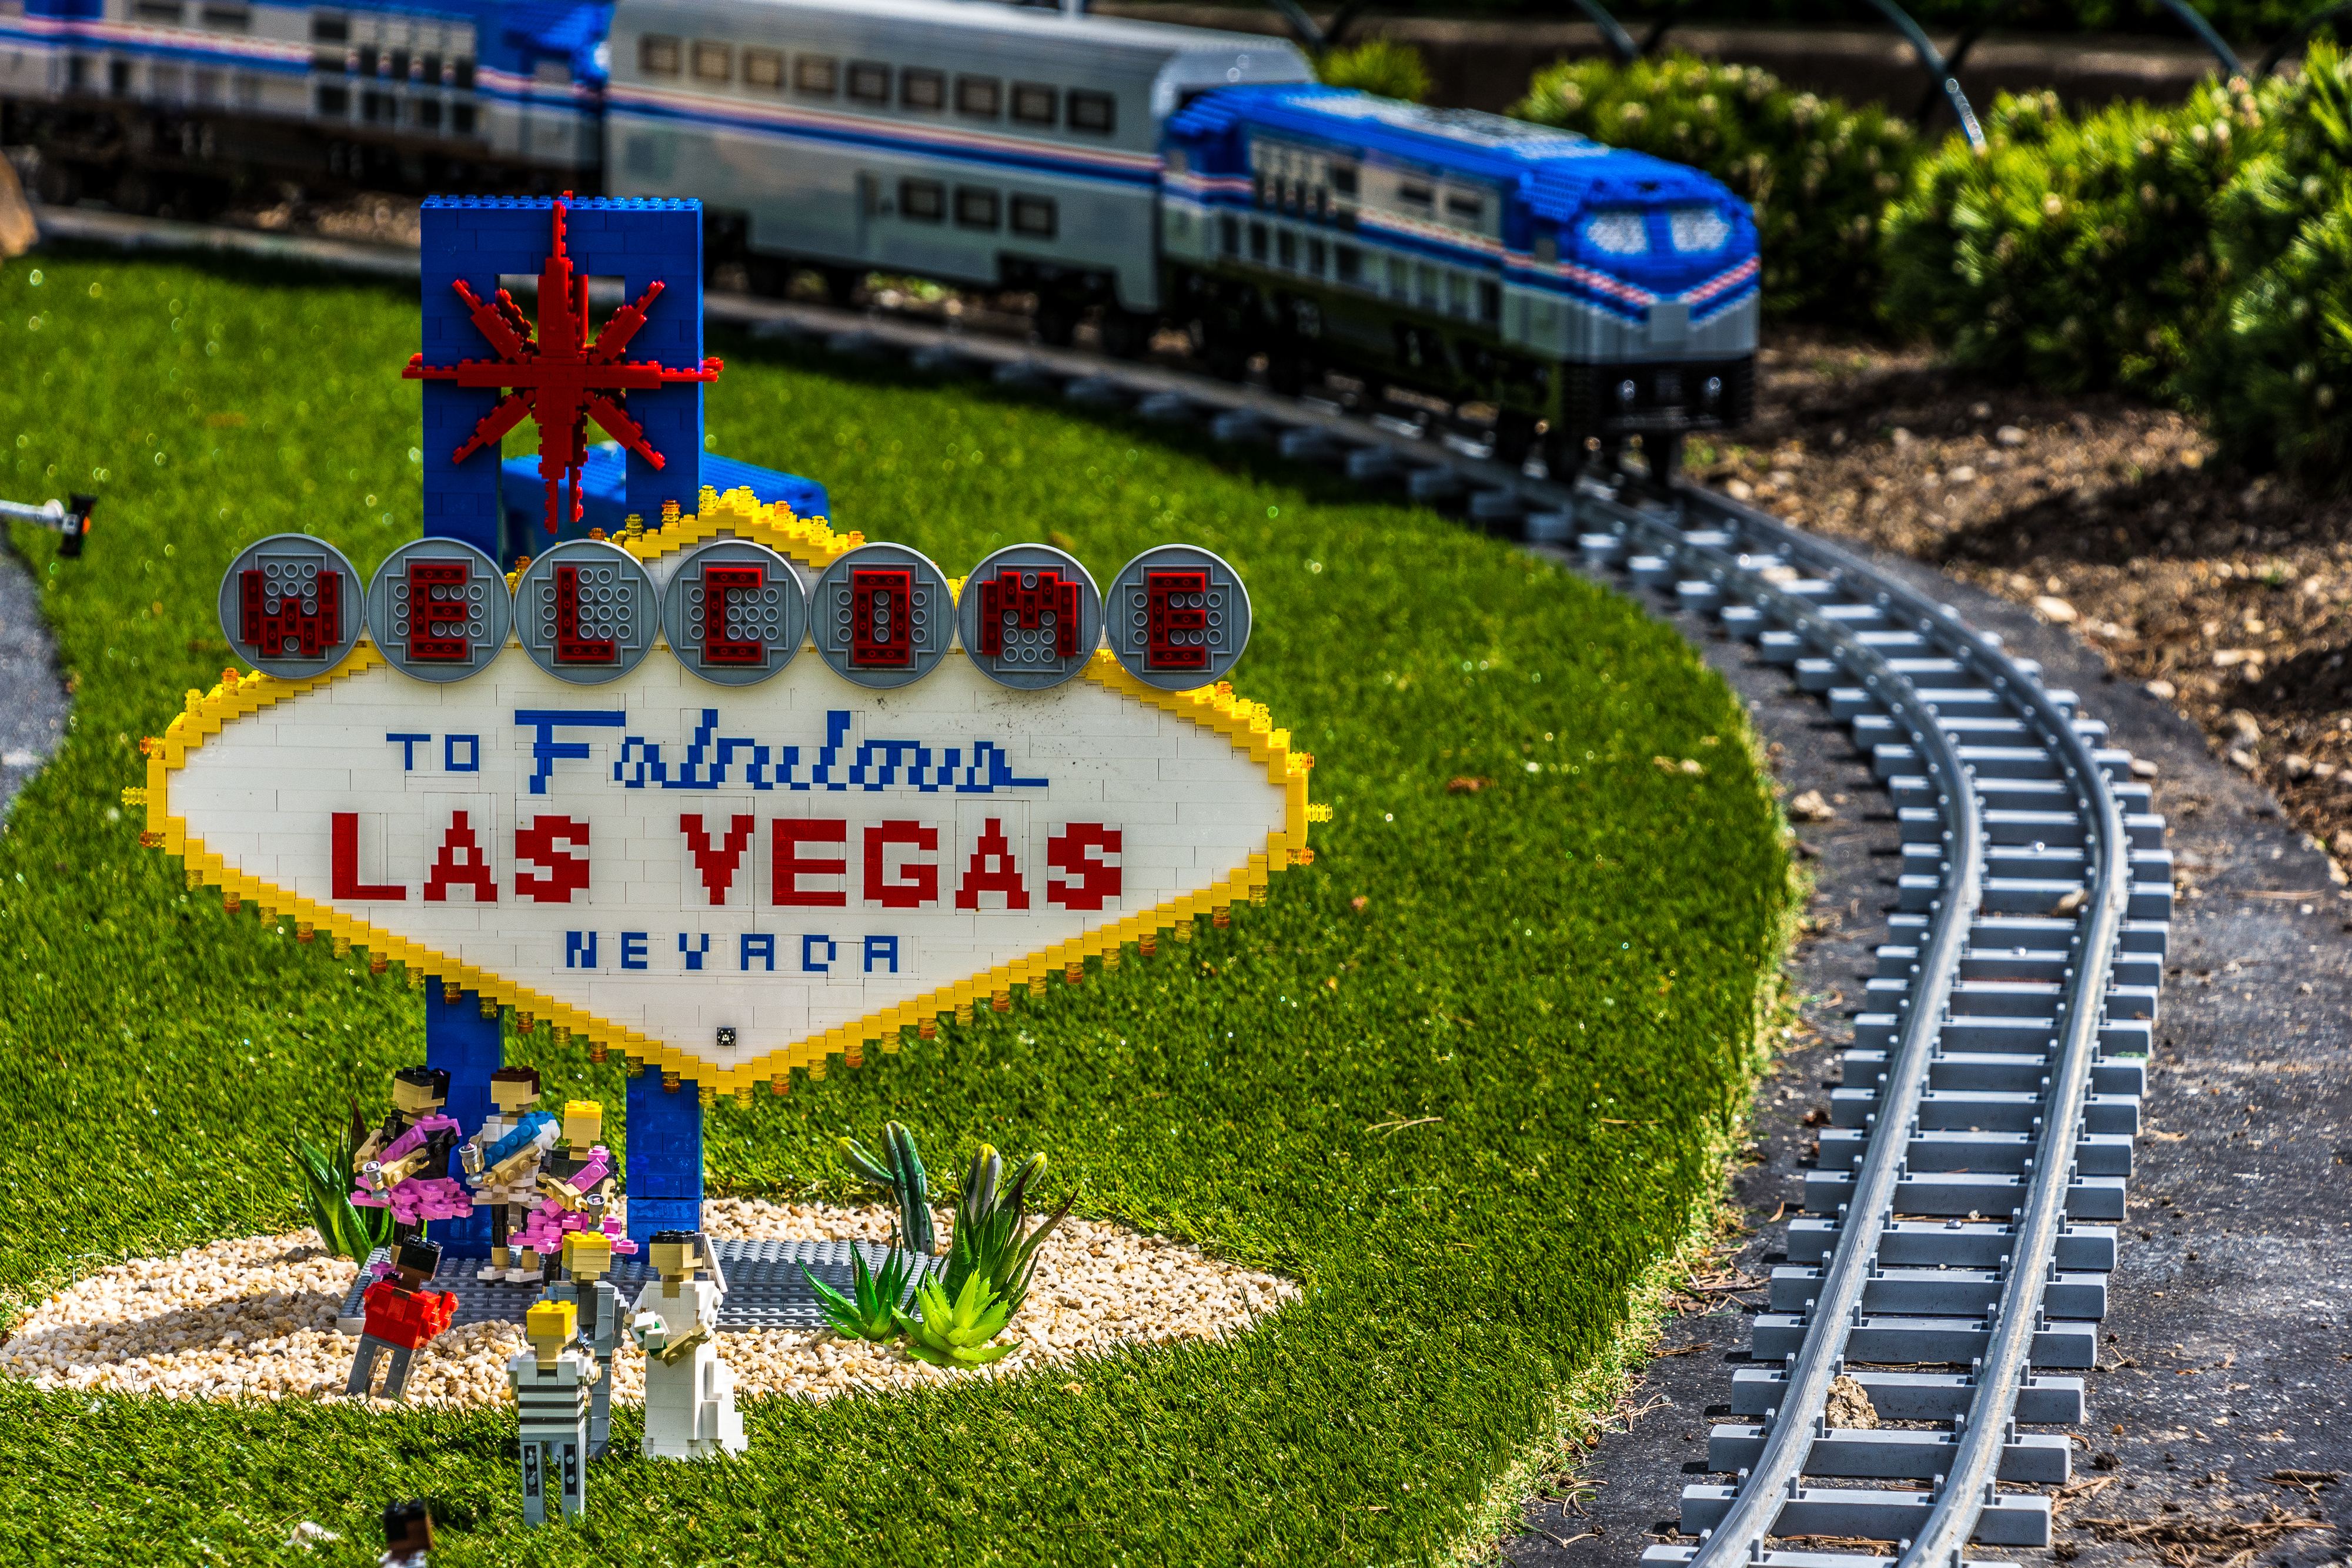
[1959, 1225]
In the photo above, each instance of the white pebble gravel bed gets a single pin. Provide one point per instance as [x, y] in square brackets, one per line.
[254, 1319]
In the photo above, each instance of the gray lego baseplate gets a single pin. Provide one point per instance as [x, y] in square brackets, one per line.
[765, 1289]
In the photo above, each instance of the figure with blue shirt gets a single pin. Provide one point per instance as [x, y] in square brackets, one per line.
[503, 1161]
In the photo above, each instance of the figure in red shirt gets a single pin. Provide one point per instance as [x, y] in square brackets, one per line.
[401, 1315]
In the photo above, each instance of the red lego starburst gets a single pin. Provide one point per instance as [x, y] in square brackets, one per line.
[559, 377]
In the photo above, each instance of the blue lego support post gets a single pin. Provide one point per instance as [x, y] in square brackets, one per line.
[665, 1156]
[643, 242]
[468, 1046]
[477, 240]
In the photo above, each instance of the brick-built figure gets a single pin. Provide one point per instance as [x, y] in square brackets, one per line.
[503, 1161]
[551, 1381]
[575, 1190]
[404, 1163]
[689, 1394]
[402, 1314]
[587, 1259]
[407, 1534]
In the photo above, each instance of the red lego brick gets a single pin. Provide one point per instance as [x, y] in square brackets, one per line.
[535, 845]
[398, 1315]
[460, 863]
[345, 828]
[717, 862]
[789, 866]
[717, 583]
[436, 624]
[283, 628]
[571, 647]
[920, 879]
[992, 870]
[1066, 851]
[1005, 594]
[881, 625]
[1178, 630]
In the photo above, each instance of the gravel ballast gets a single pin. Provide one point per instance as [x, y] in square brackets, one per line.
[253, 1318]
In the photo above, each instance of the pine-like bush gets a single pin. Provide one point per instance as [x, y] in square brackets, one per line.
[2075, 252]
[1817, 173]
[1381, 65]
[2273, 371]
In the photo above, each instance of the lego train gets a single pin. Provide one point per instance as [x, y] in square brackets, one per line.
[1149, 174]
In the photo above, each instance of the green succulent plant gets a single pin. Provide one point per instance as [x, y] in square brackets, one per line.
[956, 1331]
[871, 1309]
[899, 1169]
[992, 1242]
[345, 1228]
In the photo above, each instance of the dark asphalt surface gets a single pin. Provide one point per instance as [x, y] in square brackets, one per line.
[2227, 1354]
[32, 696]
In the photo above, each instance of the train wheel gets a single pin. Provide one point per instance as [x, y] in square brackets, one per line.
[767, 276]
[1128, 334]
[1563, 454]
[137, 191]
[1288, 370]
[57, 185]
[1057, 321]
[840, 283]
[1514, 437]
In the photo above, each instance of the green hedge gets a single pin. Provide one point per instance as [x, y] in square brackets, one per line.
[2074, 254]
[1817, 172]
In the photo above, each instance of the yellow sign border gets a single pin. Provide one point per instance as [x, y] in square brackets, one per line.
[1246, 725]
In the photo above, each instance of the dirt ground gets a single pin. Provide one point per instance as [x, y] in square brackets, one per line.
[2226, 594]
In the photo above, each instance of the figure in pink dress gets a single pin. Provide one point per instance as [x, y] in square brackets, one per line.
[404, 1163]
[575, 1188]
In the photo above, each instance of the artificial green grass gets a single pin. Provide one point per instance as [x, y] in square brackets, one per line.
[1461, 1077]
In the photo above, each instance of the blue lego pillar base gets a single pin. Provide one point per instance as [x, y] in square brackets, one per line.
[665, 1156]
[468, 1046]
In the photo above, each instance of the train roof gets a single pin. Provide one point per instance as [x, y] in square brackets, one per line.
[1562, 172]
[1112, 39]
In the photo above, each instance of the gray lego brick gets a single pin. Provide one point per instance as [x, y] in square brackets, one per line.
[765, 1289]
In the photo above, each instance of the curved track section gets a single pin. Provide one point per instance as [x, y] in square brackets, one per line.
[1960, 1223]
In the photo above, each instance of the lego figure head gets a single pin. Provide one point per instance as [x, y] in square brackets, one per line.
[416, 1262]
[420, 1091]
[587, 1256]
[407, 1532]
[550, 1326]
[674, 1254]
[584, 1123]
[514, 1090]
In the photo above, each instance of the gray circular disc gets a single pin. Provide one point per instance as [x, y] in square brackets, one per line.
[292, 606]
[586, 612]
[1178, 617]
[468, 610]
[1030, 617]
[761, 613]
[882, 616]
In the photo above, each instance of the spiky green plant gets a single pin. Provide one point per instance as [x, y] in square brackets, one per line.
[900, 1169]
[991, 1243]
[345, 1228]
[871, 1309]
[955, 1332]
[1381, 65]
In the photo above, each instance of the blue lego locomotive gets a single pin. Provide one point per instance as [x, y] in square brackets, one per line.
[1148, 173]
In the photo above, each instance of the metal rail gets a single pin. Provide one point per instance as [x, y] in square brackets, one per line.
[1984, 823]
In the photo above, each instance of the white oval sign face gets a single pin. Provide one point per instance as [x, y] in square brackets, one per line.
[729, 883]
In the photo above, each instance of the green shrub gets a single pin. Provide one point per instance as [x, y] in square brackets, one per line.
[1816, 172]
[1378, 65]
[2272, 372]
[2074, 254]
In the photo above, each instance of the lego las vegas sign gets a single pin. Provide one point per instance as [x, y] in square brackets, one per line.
[738, 794]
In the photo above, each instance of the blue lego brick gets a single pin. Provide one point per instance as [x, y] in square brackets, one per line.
[468, 1046]
[603, 498]
[665, 1156]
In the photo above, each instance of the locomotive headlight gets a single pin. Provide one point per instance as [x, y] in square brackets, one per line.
[1625, 393]
[1713, 391]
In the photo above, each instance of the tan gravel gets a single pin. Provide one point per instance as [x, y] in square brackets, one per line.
[253, 1318]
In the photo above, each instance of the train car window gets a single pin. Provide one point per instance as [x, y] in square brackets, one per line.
[367, 59]
[1094, 112]
[1257, 190]
[1469, 209]
[1036, 217]
[819, 76]
[331, 29]
[1490, 301]
[975, 208]
[429, 71]
[1286, 250]
[763, 67]
[1230, 234]
[1398, 276]
[399, 66]
[165, 12]
[1698, 231]
[1619, 233]
[1457, 294]
[335, 101]
[1315, 256]
[228, 18]
[922, 200]
[1425, 285]
[461, 77]
[1349, 262]
[1257, 242]
[869, 81]
[461, 119]
[922, 89]
[327, 63]
[981, 97]
[1033, 103]
[713, 62]
[379, 108]
[1413, 195]
[1343, 178]
[428, 113]
[657, 54]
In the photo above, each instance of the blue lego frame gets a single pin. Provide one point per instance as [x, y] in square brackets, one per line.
[605, 500]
